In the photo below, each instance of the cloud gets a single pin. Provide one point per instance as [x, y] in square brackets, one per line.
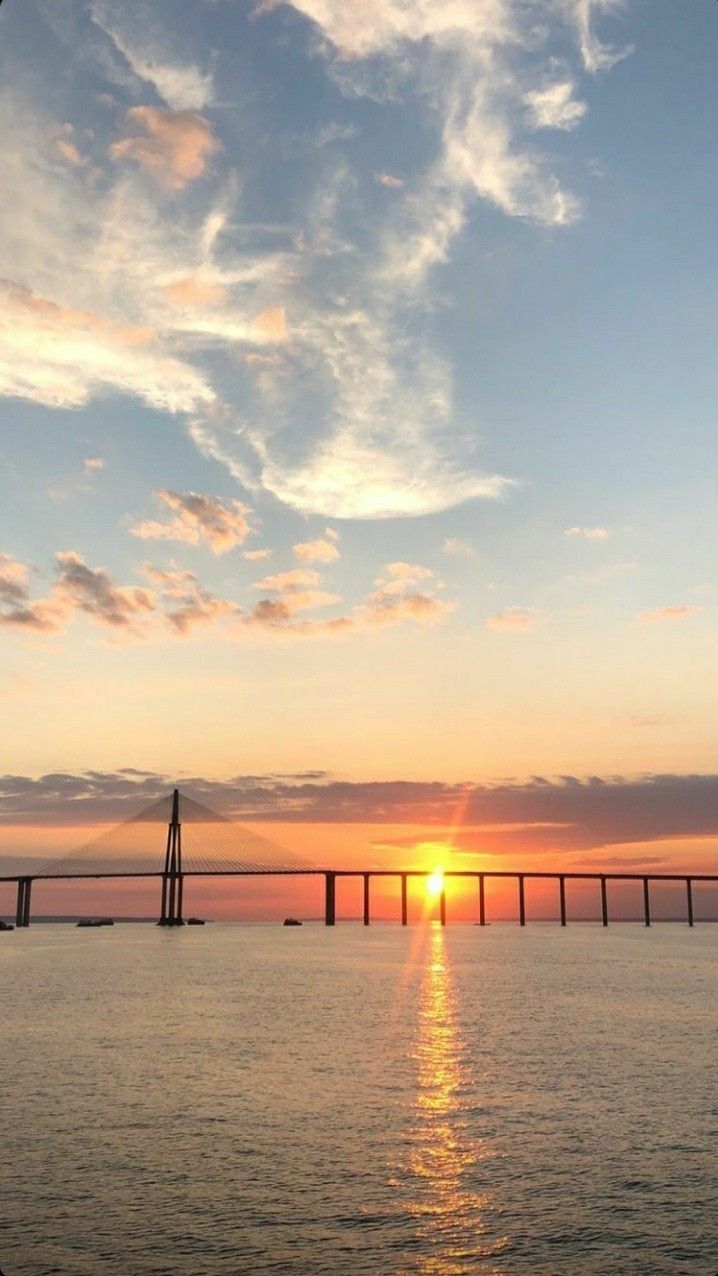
[188, 604]
[596, 55]
[256, 555]
[456, 548]
[191, 291]
[93, 463]
[389, 180]
[68, 151]
[60, 356]
[17, 610]
[91, 590]
[357, 417]
[198, 519]
[289, 581]
[562, 816]
[182, 85]
[512, 619]
[555, 106]
[423, 608]
[407, 591]
[321, 550]
[13, 580]
[588, 533]
[679, 611]
[76, 588]
[172, 146]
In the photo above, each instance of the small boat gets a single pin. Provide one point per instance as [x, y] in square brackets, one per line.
[96, 921]
[195, 921]
[291, 921]
[6, 925]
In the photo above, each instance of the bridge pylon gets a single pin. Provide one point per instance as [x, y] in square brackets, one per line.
[172, 879]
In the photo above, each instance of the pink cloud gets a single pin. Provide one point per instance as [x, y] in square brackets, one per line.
[677, 612]
[173, 147]
[192, 291]
[198, 519]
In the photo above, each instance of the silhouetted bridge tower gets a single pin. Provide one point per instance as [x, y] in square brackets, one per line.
[200, 842]
[172, 879]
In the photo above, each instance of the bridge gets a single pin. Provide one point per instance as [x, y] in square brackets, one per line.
[199, 842]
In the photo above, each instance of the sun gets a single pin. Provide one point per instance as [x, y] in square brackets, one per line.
[435, 884]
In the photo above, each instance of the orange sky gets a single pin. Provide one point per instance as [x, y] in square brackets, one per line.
[365, 846]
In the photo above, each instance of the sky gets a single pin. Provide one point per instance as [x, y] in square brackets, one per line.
[357, 424]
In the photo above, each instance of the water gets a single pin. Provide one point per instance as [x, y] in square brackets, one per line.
[254, 1099]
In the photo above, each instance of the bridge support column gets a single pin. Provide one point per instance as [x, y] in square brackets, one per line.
[522, 901]
[604, 902]
[163, 908]
[20, 909]
[689, 900]
[366, 899]
[442, 907]
[562, 898]
[482, 900]
[330, 899]
[172, 880]
[404, 908]
[646, 902]
[172, 895]
[26, 911]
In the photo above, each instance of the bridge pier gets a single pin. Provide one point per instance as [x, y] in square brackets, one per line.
[442, 907]
[689, 900]
[604, 902]
[482, 900]
[330, 899]
[522, 901]
[172, 879]
[366, 899]
[22, 911]
[646, 902]
[404, 908]
[562, 898]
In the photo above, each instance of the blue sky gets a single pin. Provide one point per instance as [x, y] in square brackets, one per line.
[410, 302]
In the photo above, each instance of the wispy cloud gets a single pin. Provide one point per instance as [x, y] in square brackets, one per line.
[331, 391]
[588, 533]
[182, 85]
[675, 612]
[520, 620]
[456, 548]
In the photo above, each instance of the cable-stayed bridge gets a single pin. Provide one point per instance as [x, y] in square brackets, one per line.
[177, 837]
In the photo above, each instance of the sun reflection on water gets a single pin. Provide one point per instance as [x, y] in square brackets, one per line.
[445, 1152]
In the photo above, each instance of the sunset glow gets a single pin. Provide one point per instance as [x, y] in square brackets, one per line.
[327, 479]
[435, 884]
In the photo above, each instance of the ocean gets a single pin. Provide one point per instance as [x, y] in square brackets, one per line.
[250, 1098]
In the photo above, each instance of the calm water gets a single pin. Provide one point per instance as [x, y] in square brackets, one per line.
[254, 1099]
